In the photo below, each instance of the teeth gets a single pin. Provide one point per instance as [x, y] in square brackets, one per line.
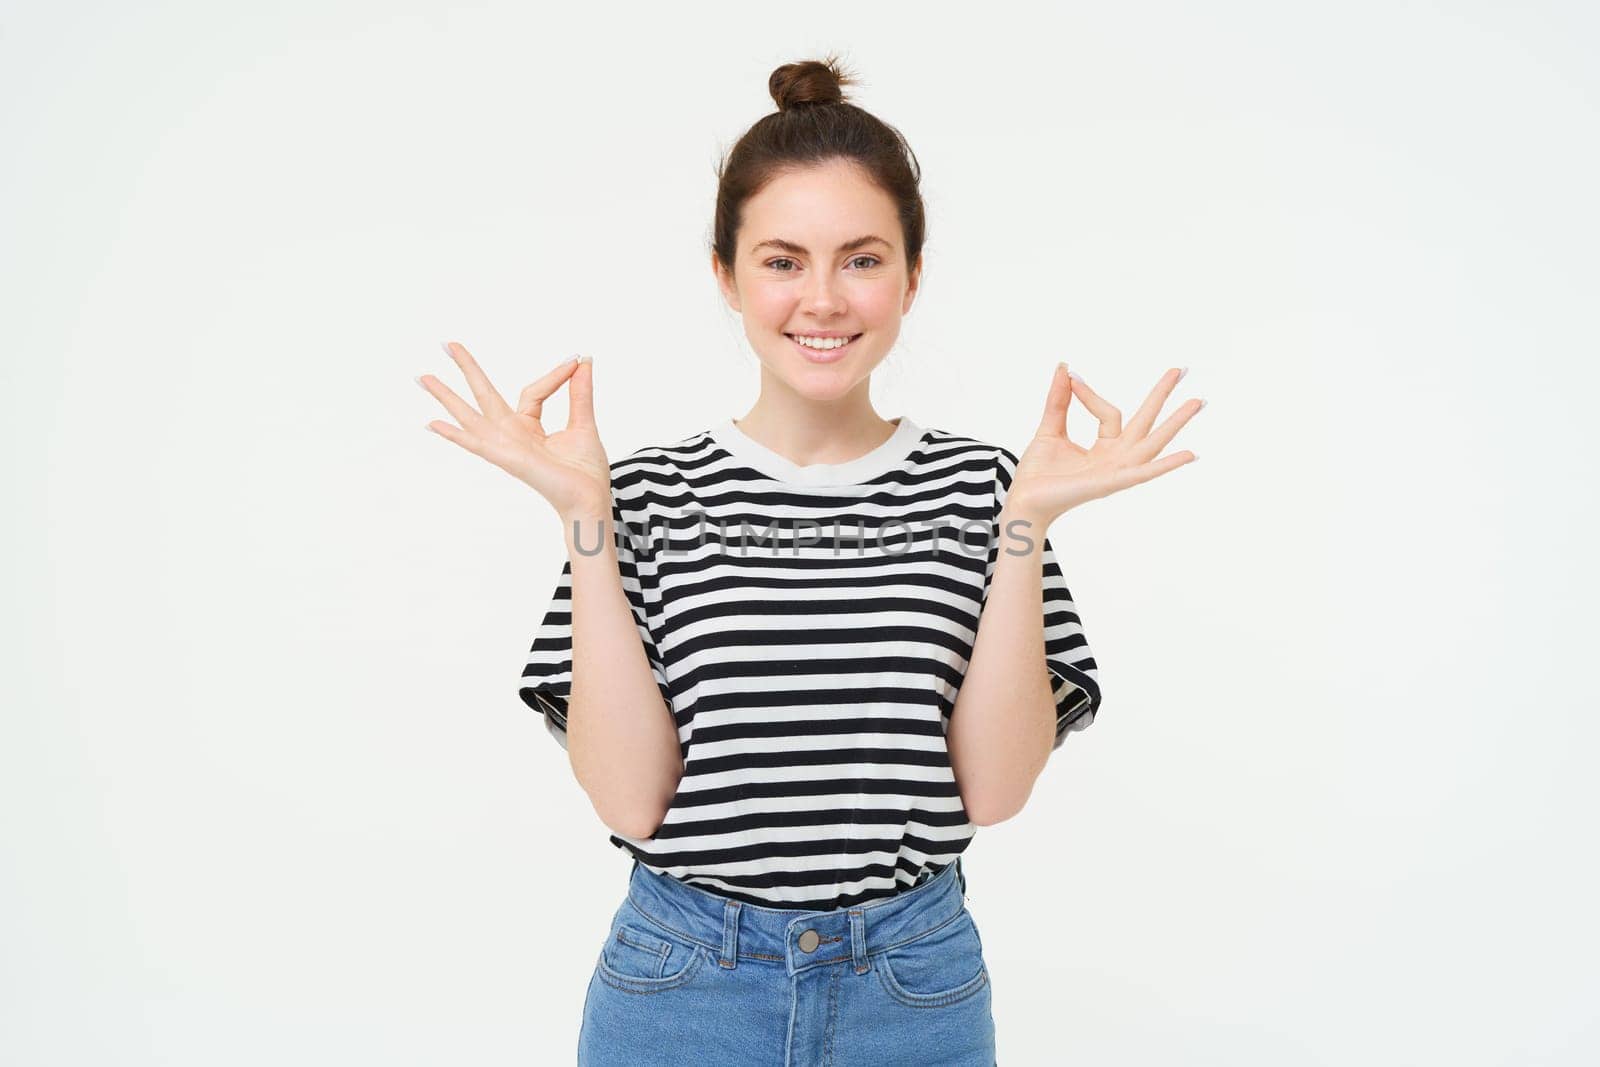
[823, 343]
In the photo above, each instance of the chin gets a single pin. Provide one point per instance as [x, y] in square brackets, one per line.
[820, 385]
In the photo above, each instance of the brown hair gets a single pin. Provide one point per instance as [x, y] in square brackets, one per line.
[814, 123]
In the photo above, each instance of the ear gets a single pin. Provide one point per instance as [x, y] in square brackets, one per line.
[912, 284]
[725, 282]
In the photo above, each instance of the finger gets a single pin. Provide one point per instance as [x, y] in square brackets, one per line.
[580, 394]
[490, 402]
[1110, 418]
[1145, 417]
[1130, 476]
[531, 402]
[464, 412]
[461, 437]
[1151, 446]
[1054, 422]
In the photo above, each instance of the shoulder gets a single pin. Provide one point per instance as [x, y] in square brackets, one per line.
[943, 447]
[670, 456]
[655, 469]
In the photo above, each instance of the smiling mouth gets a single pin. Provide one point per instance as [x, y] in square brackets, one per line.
[824, 355]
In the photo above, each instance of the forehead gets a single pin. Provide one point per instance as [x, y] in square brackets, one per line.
[820, 208]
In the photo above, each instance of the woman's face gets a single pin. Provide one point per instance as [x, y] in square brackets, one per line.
[802, 268]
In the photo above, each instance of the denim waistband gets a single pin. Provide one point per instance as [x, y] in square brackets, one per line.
[800, 938]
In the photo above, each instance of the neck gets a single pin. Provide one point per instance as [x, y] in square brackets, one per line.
[806, 431]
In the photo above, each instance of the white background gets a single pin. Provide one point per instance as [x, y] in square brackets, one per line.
[267, 793]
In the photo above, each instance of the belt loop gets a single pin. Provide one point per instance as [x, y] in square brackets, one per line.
[858, 940]
[730, 934]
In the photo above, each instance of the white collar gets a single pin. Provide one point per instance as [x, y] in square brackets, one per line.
[863, 468]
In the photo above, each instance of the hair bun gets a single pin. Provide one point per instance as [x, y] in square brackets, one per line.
[809, 81]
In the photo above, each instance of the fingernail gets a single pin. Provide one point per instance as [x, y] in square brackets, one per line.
[446, 346]
[1202, 404]
[1181, 374]
[1074, 376]
[585, 359]
[418, 380]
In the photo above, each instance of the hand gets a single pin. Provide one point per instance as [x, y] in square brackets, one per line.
[1055, 475]
[568, 468]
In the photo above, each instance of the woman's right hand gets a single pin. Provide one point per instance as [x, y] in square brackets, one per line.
[568, 468]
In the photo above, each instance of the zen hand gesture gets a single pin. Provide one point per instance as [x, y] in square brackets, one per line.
[568, 468]
[1055, 475]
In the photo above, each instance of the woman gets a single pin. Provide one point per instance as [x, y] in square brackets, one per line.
[764, 654]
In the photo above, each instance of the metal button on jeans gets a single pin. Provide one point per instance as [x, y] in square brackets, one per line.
[809, 941]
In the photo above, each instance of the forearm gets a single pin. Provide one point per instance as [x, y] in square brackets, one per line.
[621, 741]
[1002, 727]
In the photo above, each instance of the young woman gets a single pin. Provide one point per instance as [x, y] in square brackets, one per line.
[787, 658]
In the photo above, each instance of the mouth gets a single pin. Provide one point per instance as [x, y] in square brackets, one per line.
[825, 355]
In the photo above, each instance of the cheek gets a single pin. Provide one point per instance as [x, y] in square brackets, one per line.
[878, 303]
[768, 304]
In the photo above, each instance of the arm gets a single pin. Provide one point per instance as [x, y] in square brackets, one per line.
[623, 750]
[1009, 714]
[1003, 725]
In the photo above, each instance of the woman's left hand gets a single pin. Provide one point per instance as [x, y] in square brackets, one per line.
[1054, 475]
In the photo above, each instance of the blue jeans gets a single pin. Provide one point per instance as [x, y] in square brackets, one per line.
[689, 976]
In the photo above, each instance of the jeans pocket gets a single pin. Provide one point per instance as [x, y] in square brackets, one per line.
[640, 957]
[940, 967]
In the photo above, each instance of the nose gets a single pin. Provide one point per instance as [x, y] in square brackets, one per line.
[822, 294]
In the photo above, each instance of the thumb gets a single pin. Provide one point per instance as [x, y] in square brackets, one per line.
[580, 411]
[1054, 422]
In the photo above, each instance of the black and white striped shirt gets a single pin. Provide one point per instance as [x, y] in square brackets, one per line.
[811, 666]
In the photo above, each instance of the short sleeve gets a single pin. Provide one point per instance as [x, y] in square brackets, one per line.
[546, 683]
[1074, 676]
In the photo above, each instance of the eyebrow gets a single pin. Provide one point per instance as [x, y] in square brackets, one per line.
[789, 246]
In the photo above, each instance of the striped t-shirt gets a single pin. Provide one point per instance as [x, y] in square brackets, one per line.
[808, 628]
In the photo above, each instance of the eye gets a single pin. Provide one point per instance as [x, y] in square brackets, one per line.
[872, 259]
[780, 259]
